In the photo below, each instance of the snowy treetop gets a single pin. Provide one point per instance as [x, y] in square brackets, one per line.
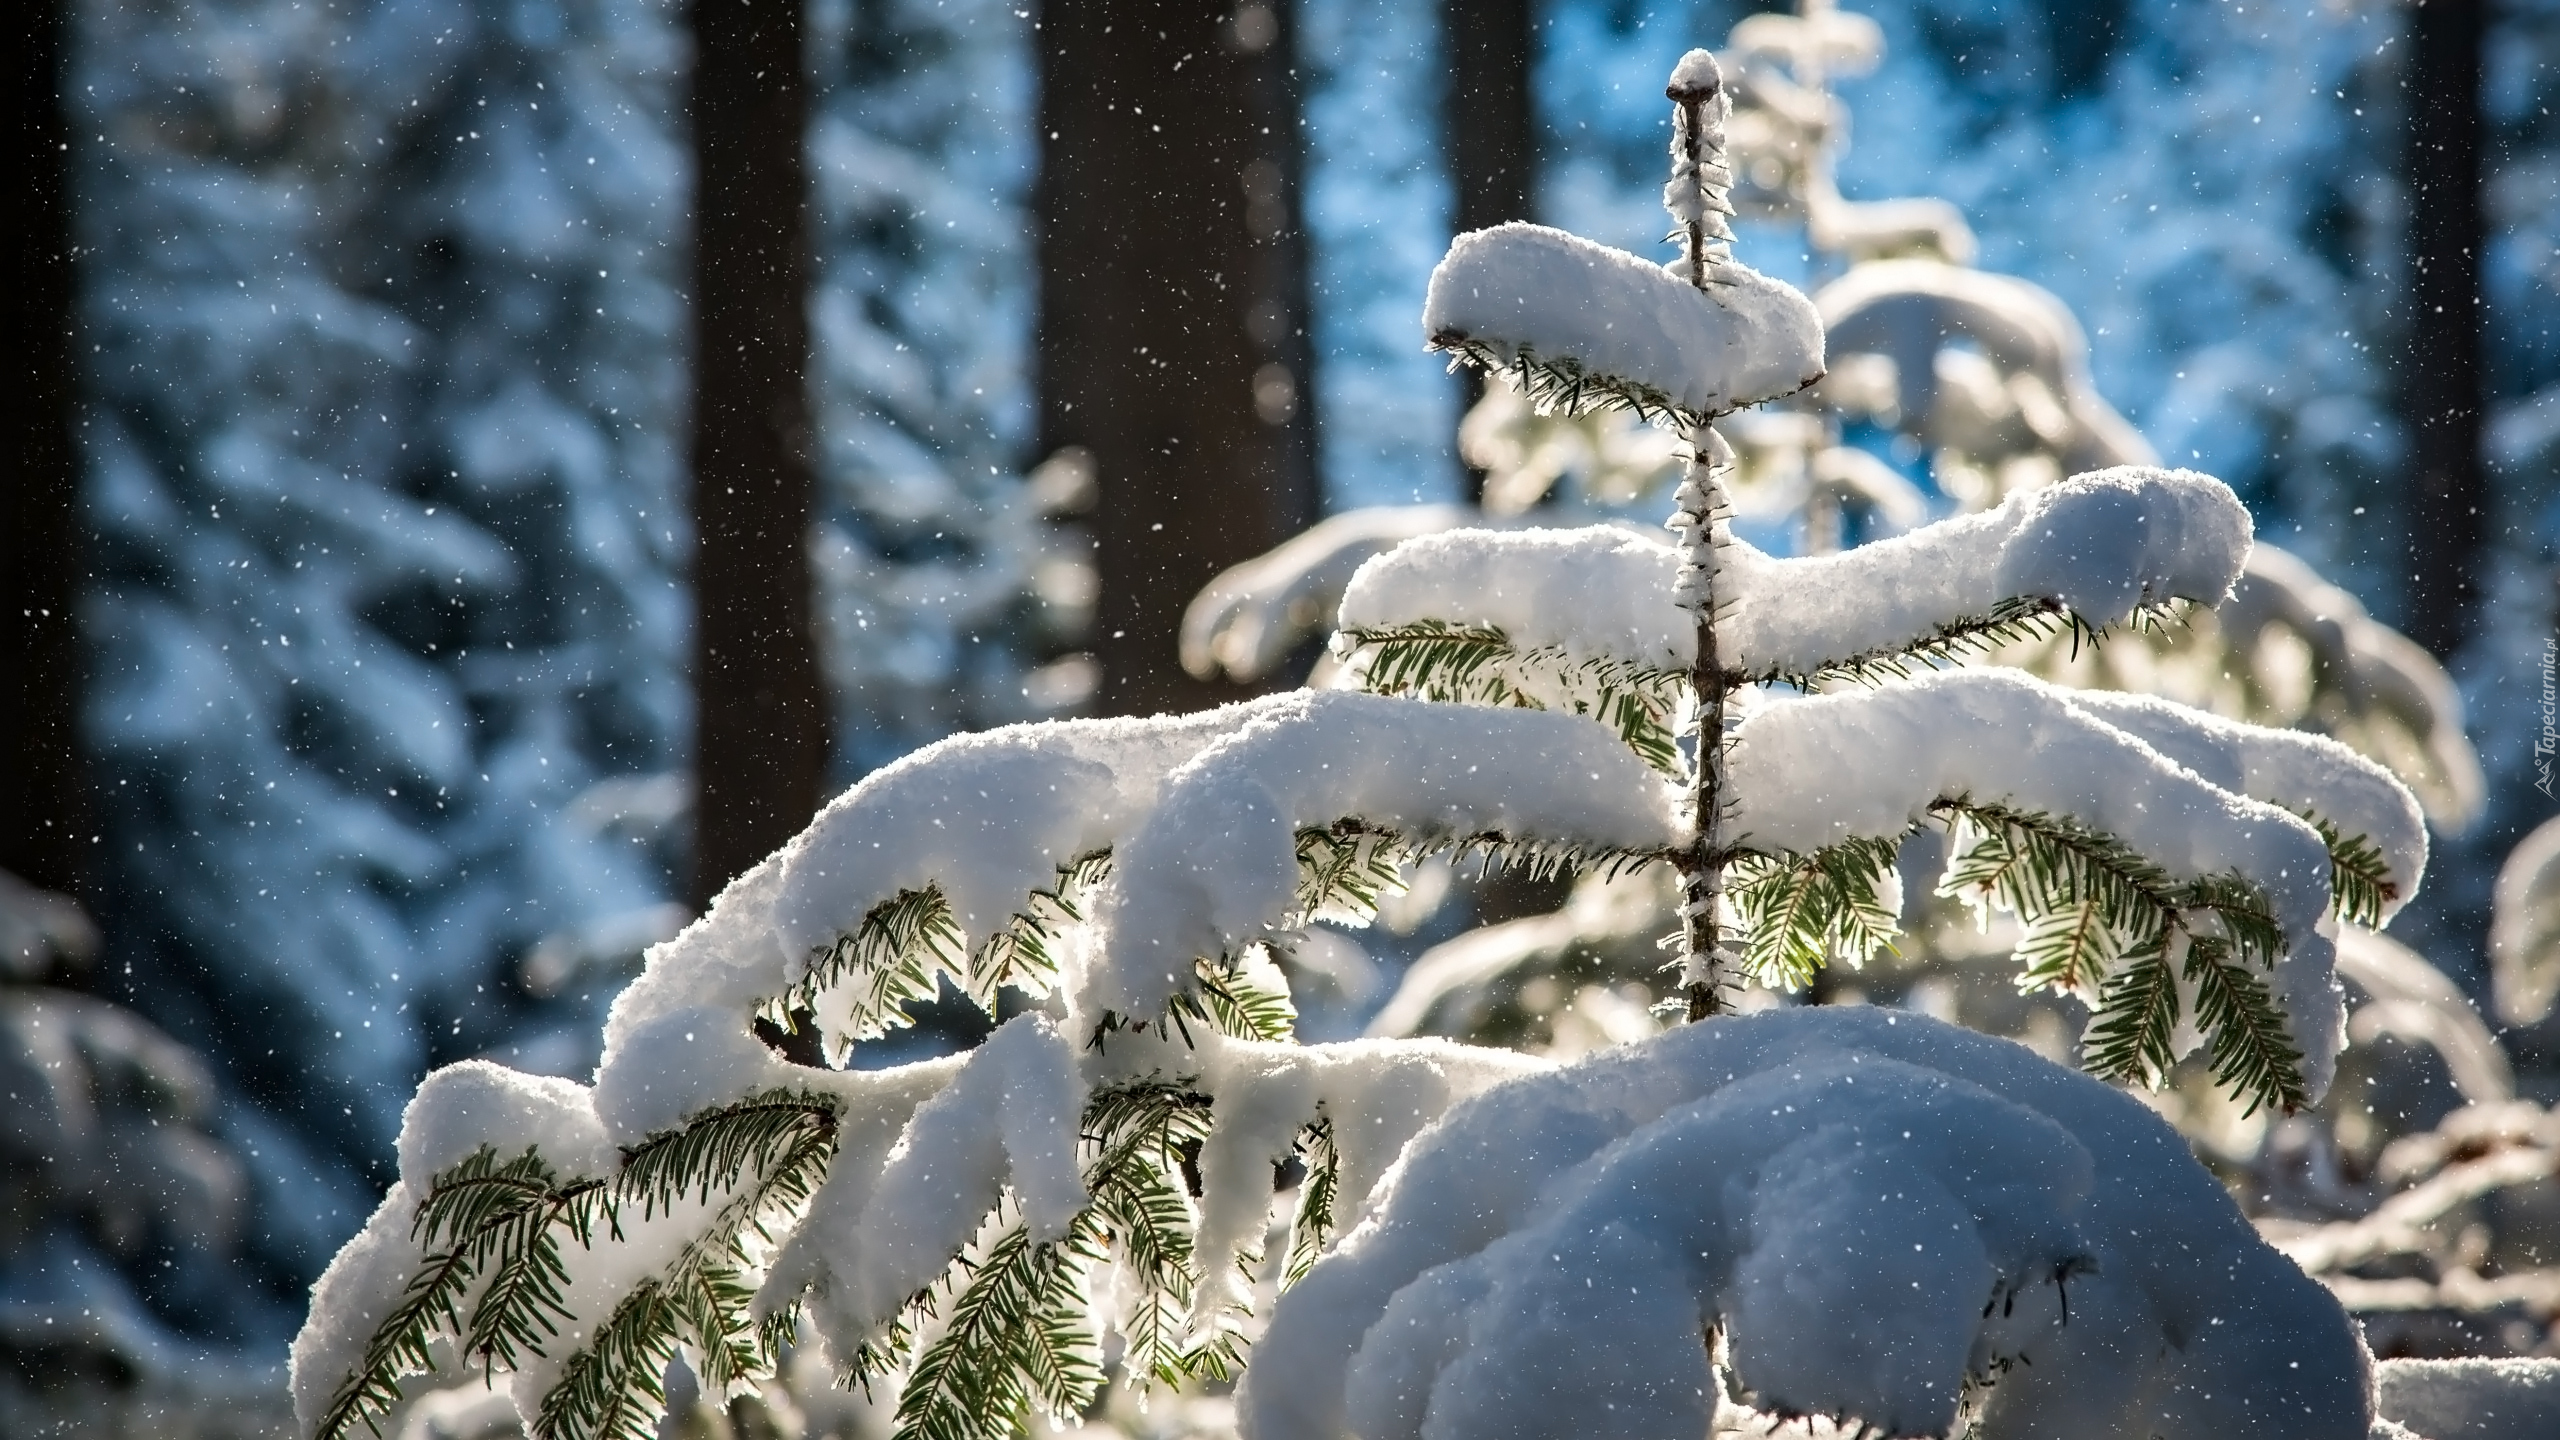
[1586, 324]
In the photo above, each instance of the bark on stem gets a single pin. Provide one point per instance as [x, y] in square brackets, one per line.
[1700, 515]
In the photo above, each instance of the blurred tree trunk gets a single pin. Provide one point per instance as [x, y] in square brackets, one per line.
[1173, 315]
[42, 798]
[1488, 130]
[760, 716]
[2442, 380]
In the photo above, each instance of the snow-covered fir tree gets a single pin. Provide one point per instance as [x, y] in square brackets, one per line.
[385, 441]
[1858, 1214]
[386, 338]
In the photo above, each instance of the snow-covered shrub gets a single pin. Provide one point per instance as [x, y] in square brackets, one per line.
[384, 435]
[975, 1230]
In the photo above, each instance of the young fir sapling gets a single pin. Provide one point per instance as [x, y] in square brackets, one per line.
[969, 1231]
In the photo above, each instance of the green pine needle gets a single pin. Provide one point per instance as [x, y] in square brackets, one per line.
[1564, 386]
[1312, 1227]
[767, 1153]
[490, 1217]
[2137, 1017]
[1800, 910]
[1480, 665]
[2068, 950]
[1233, 1004]
[904, 946]
[2014, 621]
[2093, 912]
[2360, 883]
[1347, 868]
[894, 958]
[2252, 1051]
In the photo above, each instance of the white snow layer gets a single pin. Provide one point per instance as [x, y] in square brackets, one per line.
[1873, 1204]
[457, 1110]
[2471, 1399]
[1527, 288]
[987, 817]
[1375, 1095]
[1809, 773]
[1007, 1122]
[2294, 769]
[1215, 863]
[364, 1280]
[2101, 544]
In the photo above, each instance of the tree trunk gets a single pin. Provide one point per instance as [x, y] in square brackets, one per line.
[760, 717]
[2442, 381]
[43, 811]
[1173, 317]
[1488, 132]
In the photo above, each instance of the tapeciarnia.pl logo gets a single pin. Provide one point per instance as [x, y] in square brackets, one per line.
[2549, 740]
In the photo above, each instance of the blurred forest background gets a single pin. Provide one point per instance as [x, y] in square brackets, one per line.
[486, 469]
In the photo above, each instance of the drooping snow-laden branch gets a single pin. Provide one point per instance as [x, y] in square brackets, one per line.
[2149, 851]
[1582, 325]
[2093, 552]
[1217, 861]
[704, 1191]
[1883, 1216]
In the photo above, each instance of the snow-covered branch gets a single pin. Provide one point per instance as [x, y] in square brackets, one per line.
[2096, 550]
[1216, 862]
[1584, 325]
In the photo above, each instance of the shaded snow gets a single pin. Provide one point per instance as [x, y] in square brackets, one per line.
[1872, 1203]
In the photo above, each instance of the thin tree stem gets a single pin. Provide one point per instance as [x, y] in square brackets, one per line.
[1699, 516]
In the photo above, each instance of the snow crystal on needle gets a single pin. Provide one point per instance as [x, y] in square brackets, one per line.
[1560, 297]
[1873, 1204]
[2101, 544]
[1809, 773]
[1216, 862]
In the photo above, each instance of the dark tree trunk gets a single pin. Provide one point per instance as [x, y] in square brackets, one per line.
[1488, 129]
[43, 806]
[760, 718]
[2442, 381]
[1173, 318]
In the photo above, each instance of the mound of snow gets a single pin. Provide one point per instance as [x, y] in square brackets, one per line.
[1875, 1207]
